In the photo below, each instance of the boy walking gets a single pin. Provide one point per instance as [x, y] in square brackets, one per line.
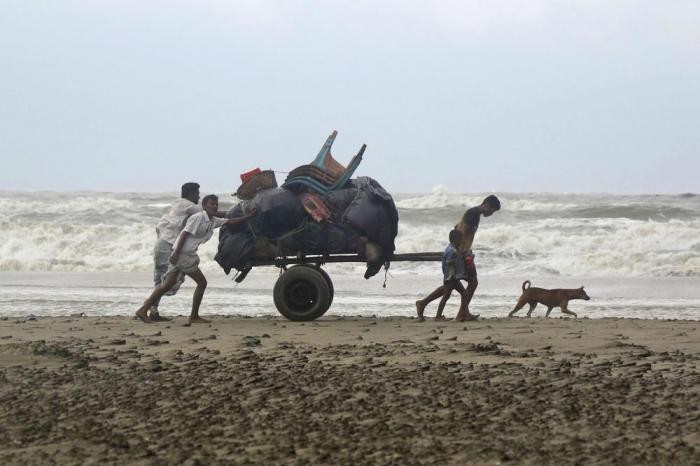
[467, 226]
[453, 270]
[184, 259]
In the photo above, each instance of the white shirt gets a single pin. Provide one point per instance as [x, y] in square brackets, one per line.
[200, 228]
[170, 225]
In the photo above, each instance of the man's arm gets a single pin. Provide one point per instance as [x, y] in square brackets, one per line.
[178, 246]
[468, 240]
[468, 225]
[465, 245]
[219, 222]
[235, 220]
[190, 227]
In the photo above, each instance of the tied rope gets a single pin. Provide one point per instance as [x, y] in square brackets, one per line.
[386, 272]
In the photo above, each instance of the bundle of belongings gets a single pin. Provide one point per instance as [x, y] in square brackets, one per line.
[319, 210]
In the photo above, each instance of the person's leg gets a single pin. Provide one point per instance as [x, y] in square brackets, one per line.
[468, 294]
[201, 282]
[462, 302]
[161, 262]
[421, 303]
[464, 313]
[142, 312]
[448, 286]
[178, 283]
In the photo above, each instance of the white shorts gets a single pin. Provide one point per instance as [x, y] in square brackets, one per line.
[186, 263]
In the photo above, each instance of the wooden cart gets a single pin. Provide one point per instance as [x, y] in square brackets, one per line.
[304, 291]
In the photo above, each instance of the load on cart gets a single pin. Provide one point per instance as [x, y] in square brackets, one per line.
[320, 214]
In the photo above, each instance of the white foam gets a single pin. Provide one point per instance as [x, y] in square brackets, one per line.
[41, 206]
[441, 197]
[595, 246]
[105, 232]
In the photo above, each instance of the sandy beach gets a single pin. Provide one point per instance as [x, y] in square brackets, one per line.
[109, 390]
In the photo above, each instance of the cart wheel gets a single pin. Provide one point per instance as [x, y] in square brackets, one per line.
[302, 293]
[328, 280]
[331, 290]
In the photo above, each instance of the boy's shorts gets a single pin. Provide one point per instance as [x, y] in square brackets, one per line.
[469, 273]
[186, 263]
[455, 283]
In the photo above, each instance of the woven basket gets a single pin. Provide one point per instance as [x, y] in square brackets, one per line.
[263, 180]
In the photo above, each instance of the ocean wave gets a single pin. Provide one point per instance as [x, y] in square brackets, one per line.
[65, 205]
[441, 198]
[81, 248]
[596, 247]
[596, 235]
[634, 212]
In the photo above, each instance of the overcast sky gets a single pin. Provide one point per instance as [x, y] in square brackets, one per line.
[474, 95]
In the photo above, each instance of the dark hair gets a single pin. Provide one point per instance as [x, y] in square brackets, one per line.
[210, 197]
[188, 189]
[455, 236]
[493, 202]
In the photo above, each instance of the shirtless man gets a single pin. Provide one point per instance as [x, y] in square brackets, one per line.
[467, 226]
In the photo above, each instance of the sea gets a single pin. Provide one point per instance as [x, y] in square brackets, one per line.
[638, 256]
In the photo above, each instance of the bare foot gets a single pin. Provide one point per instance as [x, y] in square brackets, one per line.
[441, 318]
[464, 316]
[420, 308]
[199, 320]
[142, 316]
[155, 317]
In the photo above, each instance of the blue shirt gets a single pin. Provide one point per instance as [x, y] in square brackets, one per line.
[451, 254]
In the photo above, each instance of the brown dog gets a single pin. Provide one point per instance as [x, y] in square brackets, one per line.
[550, 298]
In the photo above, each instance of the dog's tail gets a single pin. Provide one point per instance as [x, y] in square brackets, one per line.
[526, 282]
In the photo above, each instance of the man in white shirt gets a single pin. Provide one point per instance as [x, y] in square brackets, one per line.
[169, 227]
[198, 229]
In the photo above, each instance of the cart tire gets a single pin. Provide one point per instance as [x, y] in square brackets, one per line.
[329, 281]
[302, 293]
[331, 292]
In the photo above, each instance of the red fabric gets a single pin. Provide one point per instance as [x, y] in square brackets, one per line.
[470, 267]
[249, 174]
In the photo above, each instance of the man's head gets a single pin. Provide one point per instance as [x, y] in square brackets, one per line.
[210, 204]
[455, 236]
[190, 191]
[490, 205]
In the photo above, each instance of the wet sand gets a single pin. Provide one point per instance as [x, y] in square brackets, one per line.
[110, 390]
